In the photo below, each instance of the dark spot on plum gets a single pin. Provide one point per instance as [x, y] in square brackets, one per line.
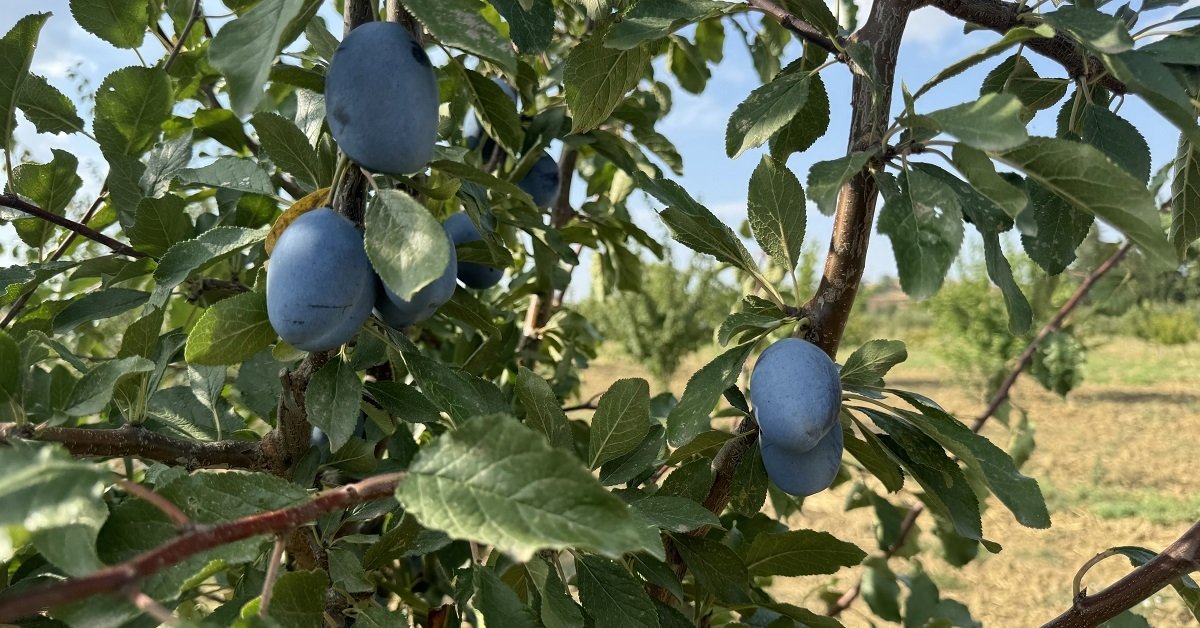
[419, 55]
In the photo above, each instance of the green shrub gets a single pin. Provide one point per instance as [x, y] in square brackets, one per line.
[1164, 323]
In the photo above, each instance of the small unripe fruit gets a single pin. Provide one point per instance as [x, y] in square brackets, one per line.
[796, 394]
[382, 99]
[804, 473]
[542, 181]
[479, 276]
[399, 313]
[320, 284]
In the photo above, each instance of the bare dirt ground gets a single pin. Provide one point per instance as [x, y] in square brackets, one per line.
[1116, 460]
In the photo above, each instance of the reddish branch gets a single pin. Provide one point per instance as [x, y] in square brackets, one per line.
[803, 29]
[119, 577]
[998, 398]
[15, 202]
[138, 442]
[1179, 559]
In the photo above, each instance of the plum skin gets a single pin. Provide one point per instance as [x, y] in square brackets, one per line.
[804, 473]
[382, 99]
[796, 394]
[399, 313]
[472, 274]
[320, 284]
[542, 181]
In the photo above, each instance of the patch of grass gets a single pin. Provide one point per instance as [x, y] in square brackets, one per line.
[1120, 503]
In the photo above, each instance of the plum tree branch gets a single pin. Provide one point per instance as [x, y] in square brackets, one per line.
[803, 29]
[138, 442]
[15, 202]
[1001, 16]
[998, 398]
[118, 577]
[1179, 559]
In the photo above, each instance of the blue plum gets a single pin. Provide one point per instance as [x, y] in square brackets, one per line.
[382, 99]
[399, 313]
[474, 275]
[796, 394]
[320, 284]
[803, 473]
[542, 181]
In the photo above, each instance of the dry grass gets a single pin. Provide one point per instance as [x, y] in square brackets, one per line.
[1116, 460]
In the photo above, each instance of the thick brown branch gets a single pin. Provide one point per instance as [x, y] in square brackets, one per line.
[13, 201]
[1001, 16]
[1179, 559]
[998, 398]
[131, 440]
[117, 577]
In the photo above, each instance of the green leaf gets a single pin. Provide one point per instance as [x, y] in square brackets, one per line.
[50, 186]
[596, 79]
[1016, 76]
[11, 369]
[807, 126]
[1012, 37]
[674, 513]
[621, 421]
[991, 123]
[498, 482]
[162, 163]
[693, 225]
[750, 482]
[766, 110]
[230, 173]
[231, 331]
[498, 604]
[1095, 30]
[542, 410]
[1185, 196]
[717, 569]
[655, 20]
[611, 596]
[404, 540]
[1020, 314]
[800, 553]
[1157, 85]
[748, 325]
[981, 173]
[946, 490]
[871, 361]
[777, 211]
[187, 256]
[458, 393]
[531, 27]
[495, 111]
[94, 390]
[407, 246]
[461, 24]
[691, 415]
[244, 49]
[332, 401]
[826, 178]
[72, 547]
[131, 105]
[298, 599]
[1085, 178]
[16, 53]
[1060, 229]
[347, 572]
[924, 221]
[403, 401]
[160, 223]
[871, 453]
[97, 306]
[880, 590]
[42, 488]
[1113, 135]
[493, 183]
[1018, 492]
[288, 147]
[48, 109]
[637, 462]
[557, 608]
[1185, 586]
[121, 23]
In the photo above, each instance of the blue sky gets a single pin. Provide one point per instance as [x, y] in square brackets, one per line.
[696, 124]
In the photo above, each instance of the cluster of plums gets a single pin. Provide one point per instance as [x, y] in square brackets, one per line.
[381, 97]
[796, 395]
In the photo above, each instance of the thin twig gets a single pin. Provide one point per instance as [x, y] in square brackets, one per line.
[794, 23]
[172, 511]
[136, 441]
[15, 202]
[183, 35]
[147, 605]
[117, 577]
[273, 565]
